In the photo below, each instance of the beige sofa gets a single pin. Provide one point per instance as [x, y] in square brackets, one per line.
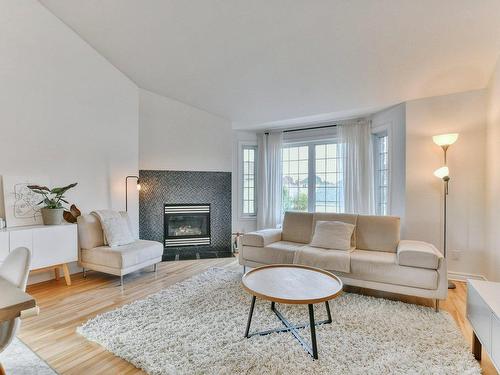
[379, 259]
[120, 260]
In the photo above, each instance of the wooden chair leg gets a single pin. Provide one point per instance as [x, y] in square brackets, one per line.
[67, 276]
[2, 370]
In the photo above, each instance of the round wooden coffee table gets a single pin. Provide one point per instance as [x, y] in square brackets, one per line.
[295, 285]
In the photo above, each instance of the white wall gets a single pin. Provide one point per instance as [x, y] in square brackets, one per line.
[176, 136]
[393, 121]
[463, 113]
[65, 111]
[493, 175]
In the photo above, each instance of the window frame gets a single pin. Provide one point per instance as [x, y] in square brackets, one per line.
[378, 132]
[311, 167]
[241, 178]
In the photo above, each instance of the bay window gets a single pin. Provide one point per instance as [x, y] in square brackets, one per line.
[249, 191]
[312, 177]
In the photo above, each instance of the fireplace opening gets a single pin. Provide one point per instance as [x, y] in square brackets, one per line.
[187, 225]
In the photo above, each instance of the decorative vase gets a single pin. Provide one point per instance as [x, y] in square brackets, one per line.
[52, 216]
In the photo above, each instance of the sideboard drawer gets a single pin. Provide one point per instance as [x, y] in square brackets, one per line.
[495, 341]
[479, 315]
[21, 238]
[4, 245]
[54, 245]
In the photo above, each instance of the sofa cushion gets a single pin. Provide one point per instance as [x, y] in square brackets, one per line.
[297, 227]
[275, 253]
[123, 256]
[418, 254]
[344, 218]
[332, 235]
[383, 267]
[379, 233]
[332, 260]
[261, 238]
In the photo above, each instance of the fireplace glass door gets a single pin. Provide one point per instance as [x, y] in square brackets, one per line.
[187, 225]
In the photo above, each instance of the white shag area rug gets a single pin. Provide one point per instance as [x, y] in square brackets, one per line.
[197, 327]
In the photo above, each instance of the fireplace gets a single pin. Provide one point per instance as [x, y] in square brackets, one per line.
[187, 225]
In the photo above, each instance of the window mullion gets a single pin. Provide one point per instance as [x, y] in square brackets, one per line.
[311, 206]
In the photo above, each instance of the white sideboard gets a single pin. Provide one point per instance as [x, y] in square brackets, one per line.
[51, 246]
[483, 312]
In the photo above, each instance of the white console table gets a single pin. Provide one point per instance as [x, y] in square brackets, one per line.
[483, 312]
[51, 246]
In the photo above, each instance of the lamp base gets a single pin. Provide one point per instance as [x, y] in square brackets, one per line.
[451, 285]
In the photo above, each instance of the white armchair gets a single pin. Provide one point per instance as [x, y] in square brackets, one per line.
[15, 270]
[121, 260]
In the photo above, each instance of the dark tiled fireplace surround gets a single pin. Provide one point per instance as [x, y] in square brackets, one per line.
[163, 191]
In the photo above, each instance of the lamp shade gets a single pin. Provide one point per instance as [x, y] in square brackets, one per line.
[445, 139]
[442, 172]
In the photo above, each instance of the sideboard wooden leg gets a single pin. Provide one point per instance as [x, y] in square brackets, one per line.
[67, 276]
[476, 346]
[56, 272]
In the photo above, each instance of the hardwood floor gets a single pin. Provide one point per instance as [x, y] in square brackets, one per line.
[62, 308]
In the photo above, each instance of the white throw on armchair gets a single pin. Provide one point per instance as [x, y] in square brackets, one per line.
[15, 270]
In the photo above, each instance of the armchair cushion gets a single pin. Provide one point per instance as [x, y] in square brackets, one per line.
[123, 256]
[261, 238]
[418, 254]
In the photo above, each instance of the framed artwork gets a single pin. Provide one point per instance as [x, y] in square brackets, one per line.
[20, 202]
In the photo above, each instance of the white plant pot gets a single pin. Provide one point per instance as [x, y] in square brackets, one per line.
[52, 216]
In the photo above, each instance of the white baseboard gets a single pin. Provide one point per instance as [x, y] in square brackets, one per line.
[462, 276]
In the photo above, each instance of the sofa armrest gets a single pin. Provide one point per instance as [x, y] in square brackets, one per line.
[418, 254]
[261, 238]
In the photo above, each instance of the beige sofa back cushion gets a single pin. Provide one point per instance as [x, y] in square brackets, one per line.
[89, 232]
[297, 227]
[344, 218]
[379, 233]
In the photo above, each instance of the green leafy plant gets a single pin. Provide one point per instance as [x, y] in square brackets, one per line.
[52, 198]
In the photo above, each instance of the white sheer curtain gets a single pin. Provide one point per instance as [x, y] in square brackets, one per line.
[269, 180]
[358, 166]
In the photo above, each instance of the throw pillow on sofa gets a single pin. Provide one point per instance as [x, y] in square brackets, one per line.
[334, 235]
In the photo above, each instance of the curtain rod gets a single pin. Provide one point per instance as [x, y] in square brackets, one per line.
[310, 128]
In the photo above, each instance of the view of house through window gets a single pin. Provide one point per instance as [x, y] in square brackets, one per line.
[295, 162]
[249, 173]
[329, 190]
[312, 178]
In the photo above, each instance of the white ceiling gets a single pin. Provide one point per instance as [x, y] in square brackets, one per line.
[265, 61]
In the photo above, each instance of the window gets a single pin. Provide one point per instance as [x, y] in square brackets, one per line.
[295, 167]
[381, 173]
[249, 173]
[329, 189]
[312, 177]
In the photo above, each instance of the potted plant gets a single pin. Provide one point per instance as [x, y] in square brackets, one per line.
[53, 199]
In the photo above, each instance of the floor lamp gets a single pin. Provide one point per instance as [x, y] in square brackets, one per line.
[126, 188]
[445, 141]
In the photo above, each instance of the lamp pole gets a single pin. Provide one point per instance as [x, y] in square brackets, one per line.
[446, 180]
[126, 189]
[445, 141]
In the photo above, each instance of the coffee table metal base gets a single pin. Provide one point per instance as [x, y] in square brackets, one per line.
[311, 349]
